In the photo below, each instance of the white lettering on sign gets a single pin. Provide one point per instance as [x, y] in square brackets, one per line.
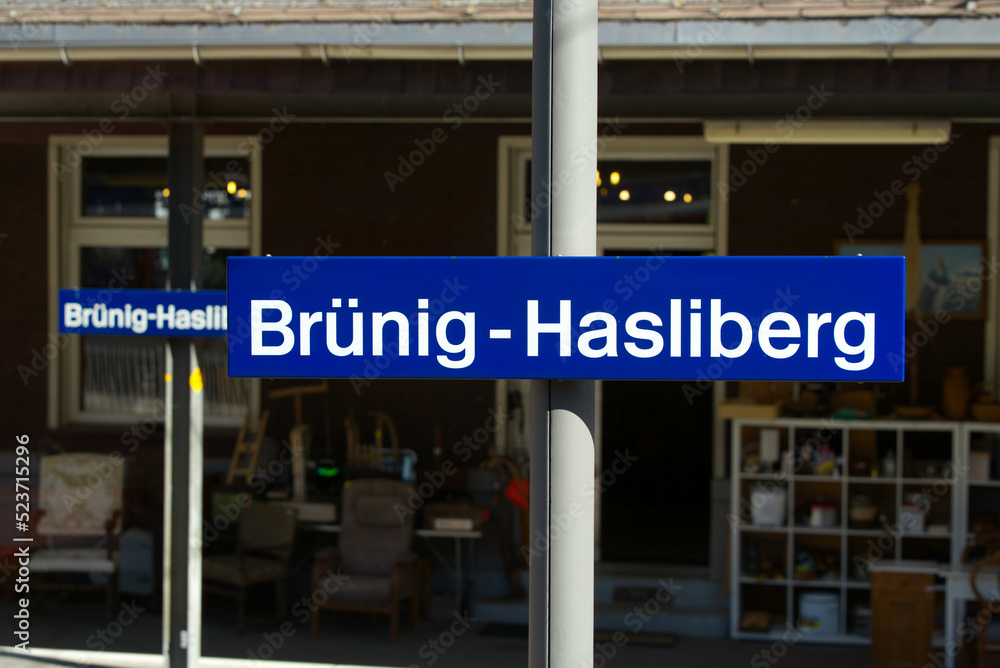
[139, 320]
[594, 334]
[458, 351]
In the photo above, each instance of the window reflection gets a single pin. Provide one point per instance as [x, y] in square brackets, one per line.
[137, 187]
[119, 267]
[124, 374]
[672, 192]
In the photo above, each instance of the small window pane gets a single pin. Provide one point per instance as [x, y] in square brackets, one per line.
[137, 187]
[124, 374]
[118, 267]
[123, 186]
[672, 192]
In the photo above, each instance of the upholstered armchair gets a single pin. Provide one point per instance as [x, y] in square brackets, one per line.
[372, 570]
[264, 544]
[80, 520]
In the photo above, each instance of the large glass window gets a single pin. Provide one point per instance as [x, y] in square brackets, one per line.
[114, 232]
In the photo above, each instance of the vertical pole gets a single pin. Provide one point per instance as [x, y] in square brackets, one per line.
[183, 438]
[564, 165]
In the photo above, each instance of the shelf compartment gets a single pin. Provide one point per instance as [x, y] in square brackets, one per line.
[983, 457]
[758, 442]
[926, 455]
[817, 491]
[857, 614]
[822, 616]
[823, 552]
[863, 551]
[882, 497]
[771, 504]
[761, 603]
[764, 557]
[935, 500]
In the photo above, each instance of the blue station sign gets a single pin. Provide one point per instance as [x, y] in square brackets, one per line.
[142, 312]
[756, 318]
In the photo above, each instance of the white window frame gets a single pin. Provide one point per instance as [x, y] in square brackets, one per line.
[69, 231]
[514, 238]
[991, 358]
[514, 153]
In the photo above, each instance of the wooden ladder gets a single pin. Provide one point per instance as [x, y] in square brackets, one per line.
[246, 454]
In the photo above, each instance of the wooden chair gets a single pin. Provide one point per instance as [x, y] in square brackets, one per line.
[80, 496]
[370, 457]
[372, 570]
[986, 602]
[264, 545]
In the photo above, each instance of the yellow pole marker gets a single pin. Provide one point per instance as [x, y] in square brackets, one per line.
[196, 381]
[167, 377]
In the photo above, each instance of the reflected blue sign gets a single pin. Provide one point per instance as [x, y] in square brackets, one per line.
[655, 317]
[142, 312]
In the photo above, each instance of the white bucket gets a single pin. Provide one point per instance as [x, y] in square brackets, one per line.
[819, 613]
[768, 504]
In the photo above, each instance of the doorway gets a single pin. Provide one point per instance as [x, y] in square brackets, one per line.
[655, 442]
[660, 434]
[658, 511]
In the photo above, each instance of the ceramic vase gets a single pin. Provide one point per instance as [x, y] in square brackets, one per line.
[956, 392]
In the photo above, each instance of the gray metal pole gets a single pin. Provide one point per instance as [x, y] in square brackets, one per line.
[564, 167]
[183, 434]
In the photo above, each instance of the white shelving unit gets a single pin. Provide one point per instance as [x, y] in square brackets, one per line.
[979, 495]
[929, 457]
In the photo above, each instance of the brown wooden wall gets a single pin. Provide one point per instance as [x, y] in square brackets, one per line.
[327, 181]
[802, 199]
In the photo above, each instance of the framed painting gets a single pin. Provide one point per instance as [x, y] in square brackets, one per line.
[950, 274]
